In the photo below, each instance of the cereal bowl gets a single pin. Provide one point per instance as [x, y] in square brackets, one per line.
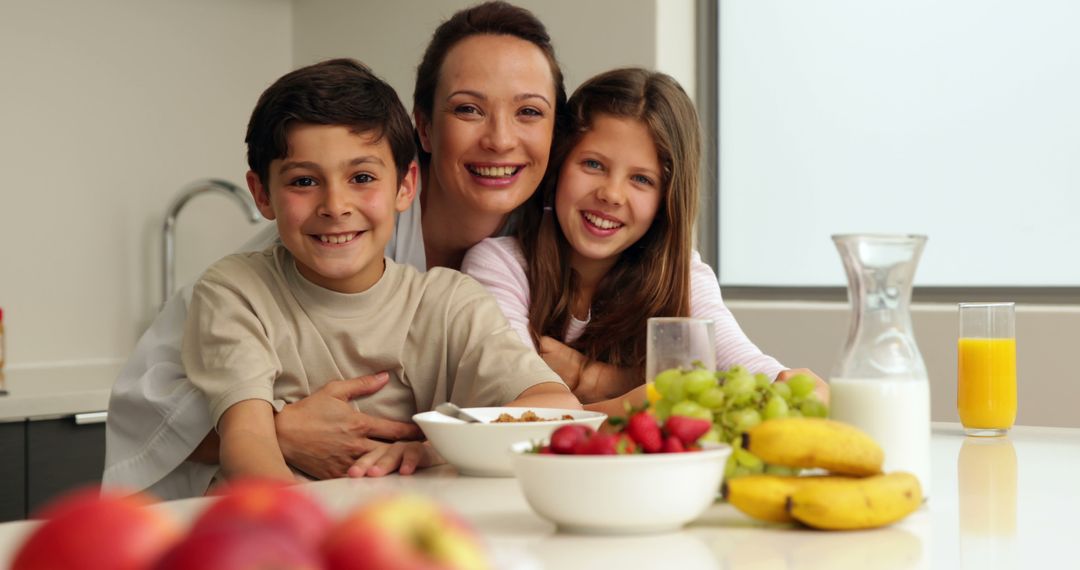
[483, 449]
[620, 494]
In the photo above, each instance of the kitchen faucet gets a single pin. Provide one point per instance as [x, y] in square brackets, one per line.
[168, 259]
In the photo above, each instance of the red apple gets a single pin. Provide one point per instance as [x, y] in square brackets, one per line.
[255, 503]
[93, 530]
[404, 532]
[240, 547]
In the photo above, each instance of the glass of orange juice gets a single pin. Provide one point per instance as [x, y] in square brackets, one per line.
[986, 369]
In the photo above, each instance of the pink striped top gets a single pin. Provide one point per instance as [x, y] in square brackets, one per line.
[499, 265]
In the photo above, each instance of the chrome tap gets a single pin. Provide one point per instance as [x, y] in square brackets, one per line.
[190, 191]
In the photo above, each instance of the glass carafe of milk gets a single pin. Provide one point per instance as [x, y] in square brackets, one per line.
[879, 383]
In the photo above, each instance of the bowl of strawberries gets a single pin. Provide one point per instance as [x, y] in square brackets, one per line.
[645, 477]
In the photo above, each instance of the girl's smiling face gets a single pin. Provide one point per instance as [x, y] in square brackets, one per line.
[492, 122]
[609, 190]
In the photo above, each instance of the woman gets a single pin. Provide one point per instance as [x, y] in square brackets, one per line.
[487, 98]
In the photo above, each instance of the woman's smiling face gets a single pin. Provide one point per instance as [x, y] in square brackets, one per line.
[492, 122]
[609, 190]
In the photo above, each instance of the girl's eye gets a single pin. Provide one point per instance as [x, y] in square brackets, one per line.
[592, 164]
[642, 179]
[363, 178]
[303, 182]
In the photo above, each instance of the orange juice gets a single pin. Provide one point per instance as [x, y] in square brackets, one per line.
[986, 382]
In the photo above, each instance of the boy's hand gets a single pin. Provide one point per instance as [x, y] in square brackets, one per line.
[323, 434]
[403, 456]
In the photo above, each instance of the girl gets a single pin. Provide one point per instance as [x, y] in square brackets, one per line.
[608, 242]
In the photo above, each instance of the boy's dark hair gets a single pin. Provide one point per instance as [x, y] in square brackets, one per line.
[334, 92]
[495, 18]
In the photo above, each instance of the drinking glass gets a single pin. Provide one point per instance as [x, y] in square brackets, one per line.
[986, 368]
[676, 342]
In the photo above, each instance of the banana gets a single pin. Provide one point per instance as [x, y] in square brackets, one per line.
[848, 504]
[765, 497]
[815, 442]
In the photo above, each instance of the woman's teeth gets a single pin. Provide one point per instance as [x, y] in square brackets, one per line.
[337, 238]
[494, 171]
[601, 223]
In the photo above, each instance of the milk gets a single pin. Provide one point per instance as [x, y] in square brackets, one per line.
[895, 412]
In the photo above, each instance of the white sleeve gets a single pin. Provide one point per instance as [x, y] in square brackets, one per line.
[156, 415]
[497, 264]
[732, 345]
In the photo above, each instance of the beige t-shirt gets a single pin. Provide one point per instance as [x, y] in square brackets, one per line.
[257, 329]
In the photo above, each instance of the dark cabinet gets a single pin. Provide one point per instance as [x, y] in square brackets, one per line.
[52, 457]
[12, 471]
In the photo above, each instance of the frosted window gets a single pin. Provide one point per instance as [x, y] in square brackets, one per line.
[959, 119]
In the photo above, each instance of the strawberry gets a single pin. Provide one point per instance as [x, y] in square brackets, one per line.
[545, 450]
[672, 444]
[625, 445]
[644, 430]
[688, 430]
[565, 439]
[599, 443]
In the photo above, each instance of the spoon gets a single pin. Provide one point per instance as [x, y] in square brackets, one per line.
[450, 409]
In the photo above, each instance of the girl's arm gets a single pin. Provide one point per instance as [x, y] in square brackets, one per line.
[497, 264]
[249, 446]
[547, 395]
[732, 345]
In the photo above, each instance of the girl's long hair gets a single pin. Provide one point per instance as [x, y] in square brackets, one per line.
[652, 277]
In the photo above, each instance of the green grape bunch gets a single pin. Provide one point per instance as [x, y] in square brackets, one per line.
[734, 401]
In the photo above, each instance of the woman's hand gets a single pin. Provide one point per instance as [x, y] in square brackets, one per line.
[590, 381]
[821, 388]
[403, 456]
[323, 434]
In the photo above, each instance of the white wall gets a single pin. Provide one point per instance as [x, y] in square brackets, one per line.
[107, 108]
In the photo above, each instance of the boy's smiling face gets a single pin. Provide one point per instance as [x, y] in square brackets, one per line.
[334, 198]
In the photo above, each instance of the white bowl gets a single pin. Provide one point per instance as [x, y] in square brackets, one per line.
[483, 449]
[621, 494]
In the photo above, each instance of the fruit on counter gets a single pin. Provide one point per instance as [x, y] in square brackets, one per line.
[93, 530]
[256, 503]
[765, 497]
[733, 401]
[405, 532]
[241, 547]
[835, 503]
[638, 433]
[815, 442]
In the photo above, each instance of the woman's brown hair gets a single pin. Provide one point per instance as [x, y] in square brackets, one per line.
[489, 18]
[651, 277]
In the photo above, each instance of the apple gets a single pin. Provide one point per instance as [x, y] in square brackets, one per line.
[405, 532]
[95, 530]
[256, 503]
[240, 547]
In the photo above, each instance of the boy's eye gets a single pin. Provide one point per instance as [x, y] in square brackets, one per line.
[363, 178]
[303, 181]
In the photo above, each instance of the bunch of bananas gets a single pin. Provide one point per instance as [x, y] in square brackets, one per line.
[855, 494]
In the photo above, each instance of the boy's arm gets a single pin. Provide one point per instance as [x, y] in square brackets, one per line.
[249, 445]
[546, 395]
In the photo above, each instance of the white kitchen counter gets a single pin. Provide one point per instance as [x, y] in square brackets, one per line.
[56, 391]
[999, 503]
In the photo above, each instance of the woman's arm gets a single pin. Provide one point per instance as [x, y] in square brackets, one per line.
[249, 445]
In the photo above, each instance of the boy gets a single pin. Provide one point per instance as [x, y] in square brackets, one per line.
[330, 148]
